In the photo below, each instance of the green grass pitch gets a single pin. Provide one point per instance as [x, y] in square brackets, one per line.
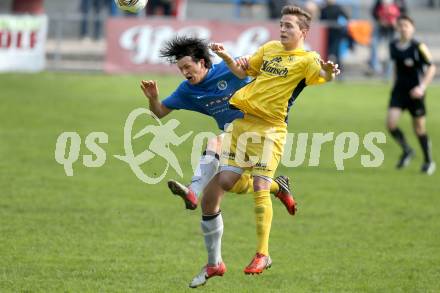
[103, 230]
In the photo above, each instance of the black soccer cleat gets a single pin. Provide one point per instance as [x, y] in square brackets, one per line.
[405, 159]
[285, 195]
[428, 168]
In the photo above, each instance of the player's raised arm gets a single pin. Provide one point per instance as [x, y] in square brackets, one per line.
[235, 67]
[151, 91]
[329, 70]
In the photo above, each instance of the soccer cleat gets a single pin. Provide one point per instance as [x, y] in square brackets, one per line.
[188, 195]
[259, 263]
[207, 272]
[285, 195]
[428, 168]
[405, 158]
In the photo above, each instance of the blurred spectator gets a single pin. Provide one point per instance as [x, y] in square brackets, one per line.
[250, 9]
[28, 6]
[95, 7]
[246, 8]
[312, 8]
[160, 7]
[337, 20]
[114, 9]
[385, 14]
[275, 6]
[433, 3]
[5, 6]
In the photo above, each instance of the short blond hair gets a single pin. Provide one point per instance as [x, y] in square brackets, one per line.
[304, 18]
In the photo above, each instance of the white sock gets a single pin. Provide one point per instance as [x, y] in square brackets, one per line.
[212, 232]
[207, 168]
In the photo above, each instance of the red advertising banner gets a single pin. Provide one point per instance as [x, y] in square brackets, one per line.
[133, 45]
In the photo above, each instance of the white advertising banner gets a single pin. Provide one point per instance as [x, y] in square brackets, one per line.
[22, 42]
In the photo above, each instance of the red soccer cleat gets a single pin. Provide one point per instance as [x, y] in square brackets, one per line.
[259, 263]
[285, 195]
[188, 195]
[207, 272]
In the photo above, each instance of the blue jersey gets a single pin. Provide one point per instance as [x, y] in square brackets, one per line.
[211, 96]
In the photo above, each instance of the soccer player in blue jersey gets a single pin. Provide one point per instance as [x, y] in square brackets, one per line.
[205, 83]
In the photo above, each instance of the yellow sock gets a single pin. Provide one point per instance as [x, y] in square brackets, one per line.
[246, 185]
[274, 187]
[263, 213]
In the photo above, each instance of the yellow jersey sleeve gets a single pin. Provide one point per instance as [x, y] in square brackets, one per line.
[255, 62]
[313, 70]
[424, 52]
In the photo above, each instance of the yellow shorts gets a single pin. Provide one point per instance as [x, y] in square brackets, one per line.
[254, 144]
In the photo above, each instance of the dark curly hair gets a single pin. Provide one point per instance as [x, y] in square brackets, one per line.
[182, 46]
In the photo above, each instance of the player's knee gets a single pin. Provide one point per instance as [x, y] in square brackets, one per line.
[391, 125]
[261, 183]
[419, 126]
[226, 182]
[420, 130]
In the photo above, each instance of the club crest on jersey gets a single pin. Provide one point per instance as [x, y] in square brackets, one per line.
[408, 62]
[222, 85]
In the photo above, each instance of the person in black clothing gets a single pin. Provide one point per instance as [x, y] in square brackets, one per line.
[413, 73]
[337, 18]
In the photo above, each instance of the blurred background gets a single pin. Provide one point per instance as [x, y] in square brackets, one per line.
[93, 35]
[75, 66]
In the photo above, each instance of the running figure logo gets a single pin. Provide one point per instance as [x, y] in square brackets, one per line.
[164, 135]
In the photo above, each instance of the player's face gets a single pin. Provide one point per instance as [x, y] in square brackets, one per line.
[290, 32]
[405, 29]
[193, 71]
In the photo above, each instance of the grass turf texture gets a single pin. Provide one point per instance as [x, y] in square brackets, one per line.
[358, 230]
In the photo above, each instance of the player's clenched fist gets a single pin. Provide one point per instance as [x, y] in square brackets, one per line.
[149, 87]
[219, 49]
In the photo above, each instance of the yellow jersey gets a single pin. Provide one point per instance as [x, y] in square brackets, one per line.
[280, 76]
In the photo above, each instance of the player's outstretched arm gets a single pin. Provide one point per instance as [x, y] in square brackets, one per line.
[329, 70]
[235, 67]
[151, 91]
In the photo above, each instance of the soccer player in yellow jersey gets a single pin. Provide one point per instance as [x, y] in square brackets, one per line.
[281, 70]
